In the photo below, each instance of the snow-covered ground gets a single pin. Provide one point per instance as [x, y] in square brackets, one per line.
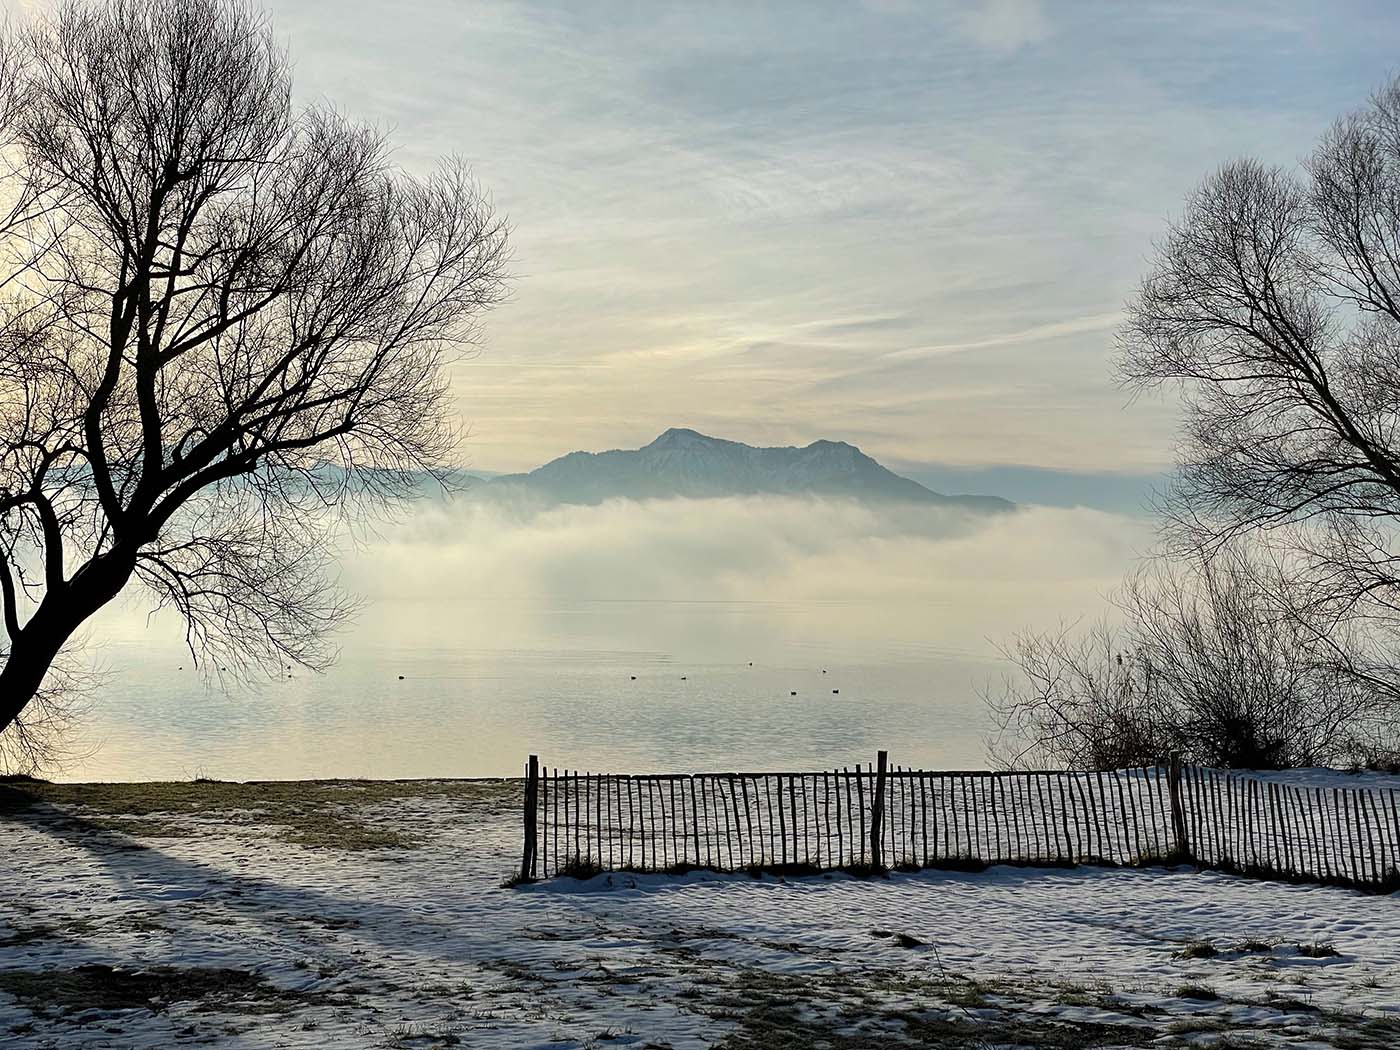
[234, 936]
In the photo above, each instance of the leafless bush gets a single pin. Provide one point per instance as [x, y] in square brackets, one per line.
[1079, 699]
[1227, 659]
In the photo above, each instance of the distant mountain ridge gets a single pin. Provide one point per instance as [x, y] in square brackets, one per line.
[685, 463]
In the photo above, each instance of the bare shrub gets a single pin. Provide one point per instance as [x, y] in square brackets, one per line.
[1226, 659]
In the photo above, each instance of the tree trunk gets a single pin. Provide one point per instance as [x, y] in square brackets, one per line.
[31, 655]
[64, 609]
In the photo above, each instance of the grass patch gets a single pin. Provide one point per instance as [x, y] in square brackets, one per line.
[967, 993]
[1198, 950]
[1318, 950]
[904, 940]
[1250, 947]
[346, 834]
[1204, 949]
[1072, 993]
[44, 931]
[904, 1009]
[110, 988]
[414, 1035]
[577, 867]
[153, 827]
[779, 1012]
[1289, 1004]
[1368, 1033]
[218, 796]
[1203, 992]
[316, 814]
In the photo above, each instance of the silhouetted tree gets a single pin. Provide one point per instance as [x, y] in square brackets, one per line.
[223, 318]
[1274, 306]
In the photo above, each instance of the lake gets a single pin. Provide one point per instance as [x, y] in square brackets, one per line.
[868, 643]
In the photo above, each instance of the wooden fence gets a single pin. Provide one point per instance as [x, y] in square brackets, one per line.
[879, 818]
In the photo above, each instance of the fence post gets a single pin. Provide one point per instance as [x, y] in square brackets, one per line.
[532, 787]
[877, 813]
[1182, 850]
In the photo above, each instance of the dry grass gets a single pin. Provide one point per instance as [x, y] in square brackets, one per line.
[316, 814]
[111, 988]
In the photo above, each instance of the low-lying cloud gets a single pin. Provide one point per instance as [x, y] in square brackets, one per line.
[988, 573]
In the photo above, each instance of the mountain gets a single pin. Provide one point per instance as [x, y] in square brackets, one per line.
[685, 463]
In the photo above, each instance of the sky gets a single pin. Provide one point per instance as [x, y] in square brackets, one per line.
[908, 226]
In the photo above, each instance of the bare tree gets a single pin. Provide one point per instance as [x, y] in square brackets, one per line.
[1224, 658]
[1274, 306]
[226, 324]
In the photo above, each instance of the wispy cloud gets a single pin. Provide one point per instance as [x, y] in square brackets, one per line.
[1036, 333]
[1007, 25]
[905, 224]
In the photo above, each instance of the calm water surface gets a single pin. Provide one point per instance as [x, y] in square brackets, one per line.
[718, 685]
